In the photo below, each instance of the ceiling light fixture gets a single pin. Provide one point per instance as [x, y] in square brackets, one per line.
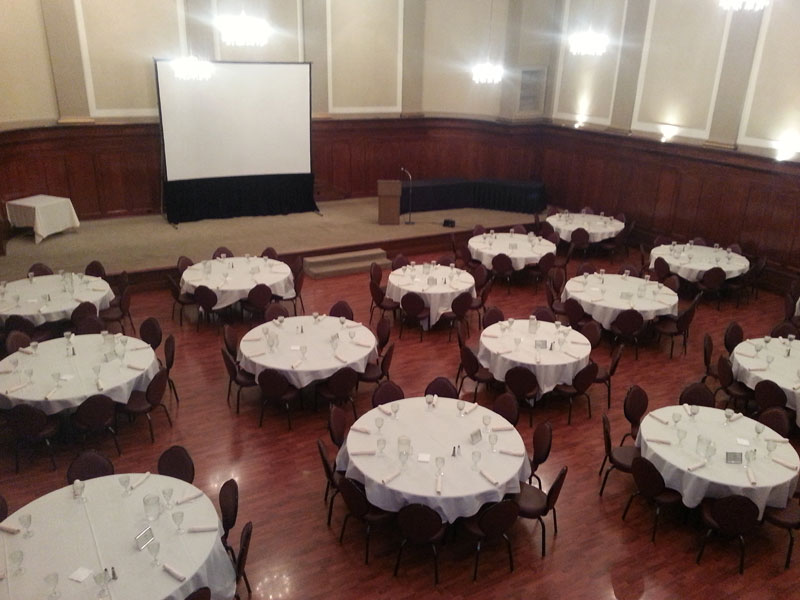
[487, 71]
[243, 30]
[588, 42]
[191, 68]
[752, 5]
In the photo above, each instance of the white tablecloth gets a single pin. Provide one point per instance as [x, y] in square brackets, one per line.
[599, 227]
[750, 366]
[99, 534]
[498, 352]
[438, 296]
[46, 298]
[233, 278]
[46, 214]
[775, 483]
[702, 259]
[435, 433]
[485, 247]
[77, 378]
[604, 297]
[321, 361]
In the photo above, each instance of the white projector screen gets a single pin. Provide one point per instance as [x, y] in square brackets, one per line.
[246, 119]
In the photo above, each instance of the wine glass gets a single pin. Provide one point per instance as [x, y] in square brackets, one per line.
[771, 445]
[750, 456]
[681, 433]
[517, 342]
[460, 406]
[280, 320]
[15, 558]
[25, 521]
[379, 424]
[29, 375]
[676, 417]
[759, 430]
[395, 409]
[711, 450]
[476, 458]
[769, 358]
[728, 415]
[125, 482]
[493, 441]
[101, 579]
[153, 547]
[342, 321]
[381, 444]
[694, 409]
[440, 465]
[487, 419]
[77, 490]
[34, 346]
[177, 518]
[429, 401]
[403, 458]
[351, 334]
[51, 580]
[167, 494]
[304, 350]
[510, 323]
[315, 315]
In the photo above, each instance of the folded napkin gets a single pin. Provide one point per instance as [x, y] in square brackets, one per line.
[662, 302]
[504, 351]
[659, 419]
[137, 348]
[100, 385]
[489, 478]
[175, 573]
[390, 477]
[470, 408]
[454, 286]
[580, 343]
[6, 371]
[134, 367]
[8, 529]
[362, 344]
[43, 308]
[696, 466]
[502, 428]
[512, 452]
[262, 353]
[751, 476]
[202, 528]
[26, 350]
[97, 288]
[736, 417]
[686, 409]
[438, 485]
[16, 388]
[755, 369]
[252, 339]
[359, 429]
[785, 464]
[352, 325]
[297, 363]
[745, 354]
[797, 387]
[570, 354]
[780, 440]
[362, 452]
[340, 358]
[596, 299]
[658, 441]
[490, 335]
[141, 481]
[384, 409]
[51, 393]
[191, 496]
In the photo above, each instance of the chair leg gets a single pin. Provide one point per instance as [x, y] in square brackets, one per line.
[608, 387]
[477, 557]
[261, 418]
[366, 547]
[344, 524]
[555, 523]
[741, 552]
[789, 552]
[544, 537]
[589, 404]
[628, 505]
[166, 412]
[150, 425]
[655, 524]
[538, 479]
[399, 554]
[50, 451]
[330, 506]
[174, 391]
[116, 442]
[228, 398]
[703, 545]
[247, 584]
[605, 479]
[435, 564]
[510, 553]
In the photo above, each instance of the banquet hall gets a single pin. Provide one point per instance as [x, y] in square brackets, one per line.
[684, 128]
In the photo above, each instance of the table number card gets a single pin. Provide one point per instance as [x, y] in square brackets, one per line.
[733, 458]
[144, 538]
[475, 436]
[540, 344]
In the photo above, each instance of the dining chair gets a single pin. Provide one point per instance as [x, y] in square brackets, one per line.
[184, 262]
[442, 387]
[206, 299]
[203, 593]
[677, 326]
[712, 282]
[339, 388]
[445, 260]
[381, 301]
[555, 305]
[732, 516]
[535, 504]
[737, 391]
[580, 385]
[80, 312]
[386, 392]
[118, 314]
[341, 309]
[332, 477]
[697, 394]
[15, 340]
[605, 374]
[176, 462]
[634, 407]
[492, 315]
[543, 313]
[237, 375]
[150, 332]
[40, 269]
[557, 277]
[399, 262]
[473, 370]
[421, 525]
[628, 326]
[541, 444]
[524, 386]
[708, 359]
[169, 362]
[30, 426]
[503, 268]
[506, 406]
[593, 332]
[222, 252]
[492, 521]
[276, 389]
[620, 458]
[586, 267]
[650, 485]
[375, 373]
[89, 325]
[576, 316]
[414, 313]
[784, 329]
[179, 298]
[96, 414]
[768, 394]
[787, 518]
[734, 335]
[296, 293]
[231, 339]
[258, 299]
[459, 308]
[95, 269]
[89, 464]
[359, 507]
[270, 253]
[241, 558]
[661, 269]
[382, 333]
[338, 424]
[229, 510]
[144, 402]
[481, 276]
[478, 230]
[274, 311]
[777, 419]
[672, 282]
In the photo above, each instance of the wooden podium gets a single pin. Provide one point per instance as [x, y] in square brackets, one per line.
[389, 201]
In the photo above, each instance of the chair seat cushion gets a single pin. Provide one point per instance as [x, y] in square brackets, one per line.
[739, 390]
[532, 501]
[669, 496]
[558, 308]
[667, 326]
[112, 313]
[371, 373]
[389, 304]
[483, 375]
[788, 518]
[603, 375]
[565, 389]
[245, 379]
[622, 457]
[137, 402]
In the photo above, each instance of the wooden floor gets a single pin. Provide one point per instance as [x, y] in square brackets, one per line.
[294, 554]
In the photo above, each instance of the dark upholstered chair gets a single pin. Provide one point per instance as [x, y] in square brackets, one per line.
[732, 516]
[650, 486]
[359, 507]
[492, 521]
[535, 504]
[619, 458]
[145, 402]
[176, 462]
[88, 465]
[420, 524]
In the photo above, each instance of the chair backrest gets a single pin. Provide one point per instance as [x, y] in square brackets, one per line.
[399, 261]
[260, 295]
[222, 250]
[542, 442]
[649, 481]
[83, 310]
[269, 252]
[382, 333]
[593, 331]
[418, 523]
[585, 377]
[90, 324]
[231, 339]
[17, 339]
[685, 318]
[88, 465]
[606, 434]
[157, 387]
[735, 515]
[628, 322]
[244, 549]
[20, 323]
[580, 238]
[38, 269]
[661, 268]
[469, 361]
[413, 304]
[520, 229]
[343, 382]
[203, 593]
[386, 361]
[725, 371]
[555, 489]
[713, 278]
[635, 404]
[354, 497]
[184, 262]
[769, 394]
[784, 329]
[206, 297]
[546, 231]
[616, 355]
[229, 504]
[337, 425]
[734, 335]
[95, 269]
[789, 303]
[558, 279]
[632, 270]
[327, 467]
[386, 392]
[461, 304]
[273, 384]
[26, 421]
[481, 275]
[506, 406]
[95, 413]
[493, 315]
[230, 364]
[502, 265]
[672, 282]
[708, 350]
[442, 386]
[375, 273]
[446, 260]
[274, 311]
[341, 309]
[574, 310]
[299, 278]
[777, 419]
[700, 241]
[176, 462]
[478, 230]
[546, 262]
[376, 293]
[544, 313]
[498, 518]
[521, 381]
[169, 352]
[586, 268]
[697, 394]
[150, 332]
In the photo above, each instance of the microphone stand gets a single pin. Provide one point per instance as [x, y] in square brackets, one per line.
[410, 192]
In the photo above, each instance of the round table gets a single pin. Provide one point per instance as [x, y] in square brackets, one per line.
[438, 285]
[775, 483]
[117, 378]
[690, 262]
[605, 296]
[233, 278]
[538, 350]
[750, 365]
[321, 359]
[435, 433]
[521, 249]
[50, 298]
[599, 227]
[99, 534]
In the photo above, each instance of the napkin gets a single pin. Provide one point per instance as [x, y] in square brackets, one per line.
[134, 367]
[745, 354]
[26, 350]
[97, 288]
[512, 452]
[141, 481]
[662, 302]
[504, 351]
[470, 408]
[780, 440]
[252, 339]
[754, 369]
[51, 393]
[202, 528]
[580, 343]
[384, 409]
[297, 363]
[262, 353]
[8, 529]
[658, 441]
[455, 287]
[6, 371]
[80, 574]
[489, 478]
[390, 477]
[775, 460]
[490, 335]
[570, 354]
[137, 348]
[659, 419]
[191, 496]
[352, 325]
[340, 358]
[43, 308]
[686, 409]
[696, 466]
[7, 308]
[359, 429]
[596, 299]
[362, 453]
[736, 417]
[502, 428]
[172, 571]
[16, 388]
[751, 476]
[362, 344]
[438, 485]
[100, 385]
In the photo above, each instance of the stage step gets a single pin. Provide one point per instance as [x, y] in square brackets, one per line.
[330, 265]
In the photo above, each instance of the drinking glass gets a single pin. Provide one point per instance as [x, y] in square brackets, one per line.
[101, 579]
[77, 490]
[29, 375]
[493, 441]
[487, 419]
[711, 450]
[429, 401]
[750, 456]
[177, 518]
[771, 445]
[681, 433]
[125, 482]
[351, 334]
[51, 580]
[15, 558]
[676, 417]
[381, 444]
[395, 409]
[476, 458]
[767, 339]
[510, 323]
[403, 459]
[759, 430]
[281, 319]
[770, 358]
[440, 465]
[517, 342]
[25, 521]
[460, 406]
[694, 409]
[153, 548]
[304, 350]
[152, 507]
[315, 315]
[379, 424]
[30, 277]
[167, 493]
[334, 343]
[57, 378]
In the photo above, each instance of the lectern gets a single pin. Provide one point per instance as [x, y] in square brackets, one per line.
[389, 201]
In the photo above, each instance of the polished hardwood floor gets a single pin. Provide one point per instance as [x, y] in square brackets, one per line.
[295, 555]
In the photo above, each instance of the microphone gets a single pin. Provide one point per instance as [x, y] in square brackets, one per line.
[410, 191]
[404, 170]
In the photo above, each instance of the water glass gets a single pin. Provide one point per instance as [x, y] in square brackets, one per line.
[493, 441]
[429, 401]
[381, 444]
[487, 419]
[681, 433]
[77, 490]
[440, 465]
[460, 406]
[51, 581]
[395, 409]
[676, 417]
[342, 321]
[15, 558]
[167, 493]
[711, 450]
[25, 521]
[152, 507]
[153, 547]
[728, 415]
[759, 430]
[125, 482]
[379, 424]
[771, 445]
[177, 518]
[476, 458]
